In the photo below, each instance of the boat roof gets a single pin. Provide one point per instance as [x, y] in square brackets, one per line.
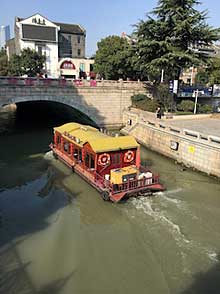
[99, 142]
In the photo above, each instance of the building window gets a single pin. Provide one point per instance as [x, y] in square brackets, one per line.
[82, 67]
[65, 46]
[78, 39]
[79, 52]
[40, 50]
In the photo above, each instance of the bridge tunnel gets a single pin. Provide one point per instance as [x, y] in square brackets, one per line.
[41, 114]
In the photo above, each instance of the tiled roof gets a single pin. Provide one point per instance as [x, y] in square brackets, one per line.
[70, 28]
[64, 27]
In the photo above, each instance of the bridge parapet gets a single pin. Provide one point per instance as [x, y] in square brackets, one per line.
[45, 82]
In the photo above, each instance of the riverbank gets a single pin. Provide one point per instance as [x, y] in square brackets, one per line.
[190, 140]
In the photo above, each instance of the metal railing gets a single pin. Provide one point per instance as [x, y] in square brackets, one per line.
[129, 185]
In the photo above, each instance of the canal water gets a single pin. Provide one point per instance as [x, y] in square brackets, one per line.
[58, 236]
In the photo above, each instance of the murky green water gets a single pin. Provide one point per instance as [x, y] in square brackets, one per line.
[58, 236]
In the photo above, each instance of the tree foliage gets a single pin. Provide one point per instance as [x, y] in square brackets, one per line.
[202, 77]
[205, 108]
[213, 71]
[186, 105]
[113, 59]
[29, 63]
[164, 97]
[142, 101]
[3, 63]
[167, 38]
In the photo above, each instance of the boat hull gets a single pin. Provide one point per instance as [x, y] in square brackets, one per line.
[105, 188]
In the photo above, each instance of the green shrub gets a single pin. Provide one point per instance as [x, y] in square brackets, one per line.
[138, 97]
[186, 105]
[205, 108]
[143, 102]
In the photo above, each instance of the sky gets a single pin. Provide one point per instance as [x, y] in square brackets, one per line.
[100, 18]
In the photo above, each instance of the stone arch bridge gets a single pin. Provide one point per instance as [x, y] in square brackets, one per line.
[102, 101]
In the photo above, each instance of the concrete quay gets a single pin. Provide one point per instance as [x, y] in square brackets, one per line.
[191, 140]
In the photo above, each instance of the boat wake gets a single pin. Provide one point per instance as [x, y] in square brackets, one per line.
[145, 204]
[49, 155]
[213, 256]
[188, 247]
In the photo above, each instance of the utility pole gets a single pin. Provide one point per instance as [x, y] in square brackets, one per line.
[196, 93]
[162, 75]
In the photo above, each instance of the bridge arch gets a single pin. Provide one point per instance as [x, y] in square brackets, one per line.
[84, 109]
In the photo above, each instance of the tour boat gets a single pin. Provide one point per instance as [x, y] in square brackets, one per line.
[112, 165]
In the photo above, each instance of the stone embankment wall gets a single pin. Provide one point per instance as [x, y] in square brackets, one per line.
[193, 149]
[102, 101]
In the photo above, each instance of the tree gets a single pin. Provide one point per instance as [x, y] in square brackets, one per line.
[166, 40]
[202, 77]
[113, 59]
[15, 68]
[213, 71]
[3, 63]
[29, 63]
[164, 97]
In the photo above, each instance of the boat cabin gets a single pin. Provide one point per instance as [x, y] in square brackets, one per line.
[95, 151]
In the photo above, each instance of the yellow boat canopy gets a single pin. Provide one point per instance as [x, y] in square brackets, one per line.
[113, 144]
[80, 134]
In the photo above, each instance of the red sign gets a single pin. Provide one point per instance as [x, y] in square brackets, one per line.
[67, 65]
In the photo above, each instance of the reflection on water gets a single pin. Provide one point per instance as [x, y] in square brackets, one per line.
[58, 236]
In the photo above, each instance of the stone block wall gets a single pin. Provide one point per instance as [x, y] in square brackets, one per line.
[185, 146]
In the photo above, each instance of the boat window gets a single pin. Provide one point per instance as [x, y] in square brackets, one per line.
[89, 161]
[92, 162]
[116, 158]
[75, 153]
[80, 155]
[58, 140]
[66, 147]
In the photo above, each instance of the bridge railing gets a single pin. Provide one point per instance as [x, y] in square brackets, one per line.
[49, 82]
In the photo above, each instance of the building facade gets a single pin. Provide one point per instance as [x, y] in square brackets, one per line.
[4, 35]
[62, 44]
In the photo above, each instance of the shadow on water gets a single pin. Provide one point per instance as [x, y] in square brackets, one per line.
[23, 168]
[30, 197]
[15, 277]
[206, 282]
[26, 209]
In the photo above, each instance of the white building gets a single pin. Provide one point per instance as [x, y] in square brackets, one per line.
[62, 44]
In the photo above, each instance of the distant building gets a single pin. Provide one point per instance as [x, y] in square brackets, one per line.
[188, 76]
[4, 35]
[131, 40]
[62, 44]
